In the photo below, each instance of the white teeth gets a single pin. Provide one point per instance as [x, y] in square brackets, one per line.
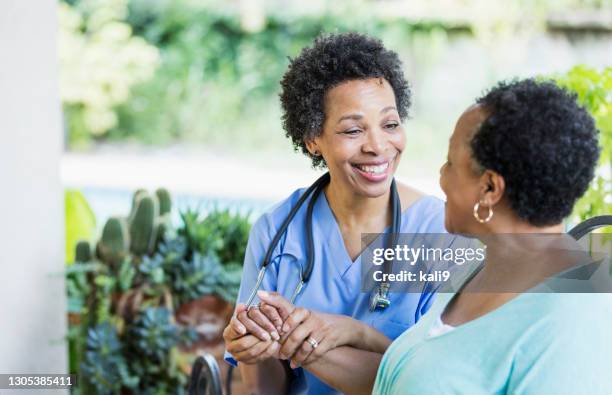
[374, 169]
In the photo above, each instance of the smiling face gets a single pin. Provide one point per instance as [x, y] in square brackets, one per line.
[363, 138]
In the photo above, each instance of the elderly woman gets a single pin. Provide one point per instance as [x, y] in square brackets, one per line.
[517, 162]
[344, 101]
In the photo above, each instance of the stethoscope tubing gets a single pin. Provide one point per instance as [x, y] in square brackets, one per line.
[315, 190]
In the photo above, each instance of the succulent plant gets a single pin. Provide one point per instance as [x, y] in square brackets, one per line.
[220, 231]
[83, 252]
[155, 333]
[142, 225]
[115, 241]
[143, 267]
[152, 269]
[139, 234]
[165, 202]
[104, 365]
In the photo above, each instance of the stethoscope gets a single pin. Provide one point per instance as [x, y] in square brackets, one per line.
[380, 298]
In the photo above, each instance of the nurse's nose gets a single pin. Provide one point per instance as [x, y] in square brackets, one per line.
[375, 142]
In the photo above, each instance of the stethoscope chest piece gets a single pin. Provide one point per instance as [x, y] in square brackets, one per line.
[379, 300]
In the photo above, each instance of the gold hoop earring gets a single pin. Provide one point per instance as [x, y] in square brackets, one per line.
[489, 216]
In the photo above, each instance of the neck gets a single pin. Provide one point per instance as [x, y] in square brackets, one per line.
[351, 209]
[518, 252]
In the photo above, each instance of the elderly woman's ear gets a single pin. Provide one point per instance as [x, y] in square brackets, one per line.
[492, 186]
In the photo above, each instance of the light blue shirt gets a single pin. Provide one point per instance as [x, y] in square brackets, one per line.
[335, 283]
[537, 343]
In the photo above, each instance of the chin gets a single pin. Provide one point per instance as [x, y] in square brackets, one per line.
[448, 227]
[374, 191]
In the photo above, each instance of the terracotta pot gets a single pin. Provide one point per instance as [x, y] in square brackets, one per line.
[74, 319]
[209, 315]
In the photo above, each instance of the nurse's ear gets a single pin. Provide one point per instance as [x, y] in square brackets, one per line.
[313, 147]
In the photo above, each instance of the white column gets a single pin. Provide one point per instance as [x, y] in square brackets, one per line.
[32, 301]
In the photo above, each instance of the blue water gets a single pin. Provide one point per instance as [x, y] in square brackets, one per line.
[106, 202]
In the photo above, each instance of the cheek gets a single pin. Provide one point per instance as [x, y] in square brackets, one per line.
[398, 140]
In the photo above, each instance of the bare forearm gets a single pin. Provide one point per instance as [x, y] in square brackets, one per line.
[366, 338]
[347, 369]
[266, 377]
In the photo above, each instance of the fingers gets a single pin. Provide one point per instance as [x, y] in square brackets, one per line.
[235, 328]
[240, 345]
[298, 316]
[272, 350]
[296, 338]
[306, 350]
[254, 353]
[252, 327]
[262, 320]
[273, 315]
[236, 324]
[285, 308]
[323, 347]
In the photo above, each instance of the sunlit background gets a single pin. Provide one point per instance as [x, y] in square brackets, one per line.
[184, 94]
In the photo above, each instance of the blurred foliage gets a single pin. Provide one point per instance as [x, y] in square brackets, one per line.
[218, 78]
[100, 61]
[79, 219]
[124, 337]
[220, 232]
[594, 91]
[220, 63]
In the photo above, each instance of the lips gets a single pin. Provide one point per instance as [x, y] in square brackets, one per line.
[373, 171]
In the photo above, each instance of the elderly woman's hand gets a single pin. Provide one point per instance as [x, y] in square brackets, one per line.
[306, 334]
[246, 346]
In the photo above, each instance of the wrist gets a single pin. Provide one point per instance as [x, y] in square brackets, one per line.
[352, 332]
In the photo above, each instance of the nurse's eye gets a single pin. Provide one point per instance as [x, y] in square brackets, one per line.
[392, 126]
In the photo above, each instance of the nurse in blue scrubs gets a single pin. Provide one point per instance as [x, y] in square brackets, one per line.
[344, 102]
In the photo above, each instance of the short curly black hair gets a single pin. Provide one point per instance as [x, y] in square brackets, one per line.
[331, 60]
[542, 143]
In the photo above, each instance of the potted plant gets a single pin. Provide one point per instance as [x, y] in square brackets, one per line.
[148, 294]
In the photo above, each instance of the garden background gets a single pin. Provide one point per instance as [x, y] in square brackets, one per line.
[171, 145]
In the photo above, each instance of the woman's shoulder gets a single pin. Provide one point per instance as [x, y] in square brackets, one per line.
[570, 309]
[421, 213]
[411, 197]
[273, 217]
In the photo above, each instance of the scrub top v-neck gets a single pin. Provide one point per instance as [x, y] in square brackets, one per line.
[335, 283]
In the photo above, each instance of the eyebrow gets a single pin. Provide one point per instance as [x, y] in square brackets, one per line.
[357, 117]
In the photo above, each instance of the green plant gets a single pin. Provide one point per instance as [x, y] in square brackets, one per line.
[104, 364]
[219, 232]
[80, 221]
[140, 233]
[122, 298]
[100, 60]
[594, 90]
[204, 275]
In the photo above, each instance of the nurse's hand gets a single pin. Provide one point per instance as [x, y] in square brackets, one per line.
[245, 347]
[256, 323]
[301, 325]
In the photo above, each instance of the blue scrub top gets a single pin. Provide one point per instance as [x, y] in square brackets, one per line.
[335, 282]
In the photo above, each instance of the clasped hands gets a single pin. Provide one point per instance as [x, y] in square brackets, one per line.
[277, 329]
